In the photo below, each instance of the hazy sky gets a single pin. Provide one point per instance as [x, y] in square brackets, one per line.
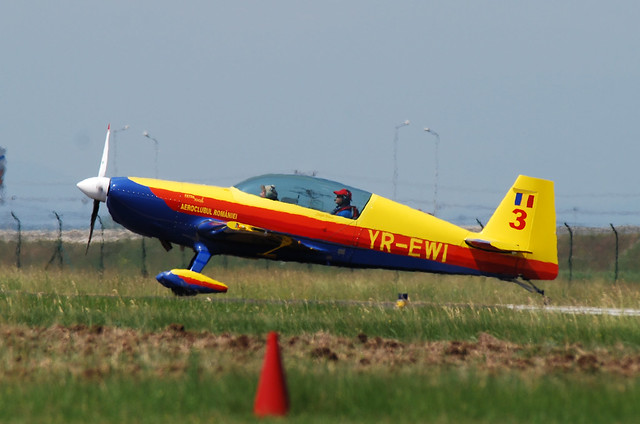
[234, 89]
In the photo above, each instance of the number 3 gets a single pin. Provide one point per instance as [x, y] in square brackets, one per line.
[520, 222]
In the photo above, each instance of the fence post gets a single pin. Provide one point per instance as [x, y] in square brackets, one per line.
[184, 258]
[570, 251]
[19, 245]
[101, 263]
[58, 252]
[143, 270]
[615, 275]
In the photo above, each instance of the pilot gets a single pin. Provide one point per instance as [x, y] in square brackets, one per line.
[269, 192]
[343, 205]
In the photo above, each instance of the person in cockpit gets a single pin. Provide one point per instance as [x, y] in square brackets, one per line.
[343, 205]
[269, 192]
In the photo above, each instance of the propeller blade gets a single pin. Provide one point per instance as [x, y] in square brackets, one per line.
[97, 188]
[105, 154]
[94, 215]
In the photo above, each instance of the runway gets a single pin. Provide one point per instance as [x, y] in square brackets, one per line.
[573, 310]
[577, 310]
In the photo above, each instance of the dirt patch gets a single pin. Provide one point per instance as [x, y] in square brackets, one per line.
[93, 352]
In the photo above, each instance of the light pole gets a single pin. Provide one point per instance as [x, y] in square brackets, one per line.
[395, 157]
[435, 185]
[146, 134]
[114, 144]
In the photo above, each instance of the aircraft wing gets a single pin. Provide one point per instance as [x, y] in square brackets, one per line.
[495, 246]
[269, 241]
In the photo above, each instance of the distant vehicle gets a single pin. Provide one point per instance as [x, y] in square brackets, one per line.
[518, 244]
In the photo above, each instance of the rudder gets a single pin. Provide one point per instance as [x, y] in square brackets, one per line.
[524, 222]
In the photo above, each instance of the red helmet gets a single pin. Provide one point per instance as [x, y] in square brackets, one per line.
[344, 193]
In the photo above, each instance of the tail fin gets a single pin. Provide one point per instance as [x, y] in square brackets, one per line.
[525, 222]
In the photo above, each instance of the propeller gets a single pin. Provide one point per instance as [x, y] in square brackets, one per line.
[97, 188]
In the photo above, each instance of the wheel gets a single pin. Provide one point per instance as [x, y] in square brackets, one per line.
[179, 291]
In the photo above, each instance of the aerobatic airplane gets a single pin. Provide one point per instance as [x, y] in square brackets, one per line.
[518, 243]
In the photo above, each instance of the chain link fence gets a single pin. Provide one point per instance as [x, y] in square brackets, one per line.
[583, 252]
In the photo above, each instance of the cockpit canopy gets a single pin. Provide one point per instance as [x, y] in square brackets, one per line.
[303, 190]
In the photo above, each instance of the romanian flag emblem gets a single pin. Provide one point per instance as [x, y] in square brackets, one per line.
[528, 199]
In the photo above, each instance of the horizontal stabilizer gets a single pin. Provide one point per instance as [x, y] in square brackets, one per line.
[495, 246]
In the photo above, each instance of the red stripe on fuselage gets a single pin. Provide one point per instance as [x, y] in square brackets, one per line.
[277, 221]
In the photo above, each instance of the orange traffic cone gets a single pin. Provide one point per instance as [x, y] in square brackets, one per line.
[272, 397]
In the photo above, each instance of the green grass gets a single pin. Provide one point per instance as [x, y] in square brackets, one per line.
[297, 299]
[426, 322]
[325, 395]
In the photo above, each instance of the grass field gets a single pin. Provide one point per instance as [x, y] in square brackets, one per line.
[82, 345]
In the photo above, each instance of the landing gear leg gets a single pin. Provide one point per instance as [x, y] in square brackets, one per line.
[201, 257]
[179, 291]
